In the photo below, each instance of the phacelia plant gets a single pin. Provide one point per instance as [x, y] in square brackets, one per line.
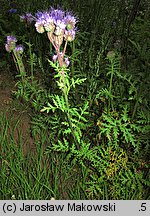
[11, 43]
[27, 18]
[17, 51]
[60, 26]
[12, 46]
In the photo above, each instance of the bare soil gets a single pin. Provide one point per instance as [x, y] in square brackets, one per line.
[17, 114]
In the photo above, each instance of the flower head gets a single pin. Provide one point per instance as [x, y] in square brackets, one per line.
[28, 18]
[59, 25]
[57, 14]
[40, 26]
[49, 25]
[69, 35]
[58, 31]
[11, 43]
[19, 49]
[12, 10]
[8, 48]
[42, 16]
[11, 39]
[39, 14]
[43, 22]
[70, 22]
[111, 55]
[57, 22]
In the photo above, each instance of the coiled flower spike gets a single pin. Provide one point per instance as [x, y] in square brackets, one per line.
[11, 43]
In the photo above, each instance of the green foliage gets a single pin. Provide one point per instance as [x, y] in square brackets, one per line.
[117, 171]
[90, 123]
[73, 120]
[119, 130]
[33, 182]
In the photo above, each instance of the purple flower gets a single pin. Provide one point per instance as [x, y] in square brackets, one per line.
[59, 28]
[12, 10]
[44, 22]
[55, 57]
[69, 35]
[58, 31]
[19, 49]
[11, 43]
[42, 16]
[59, 25]
[8, 48]
[49, 25]
[57, 14]
[70, 22]
[39, 14]
[40, 26]
[11, 39]
[28, 18]
[67, 62]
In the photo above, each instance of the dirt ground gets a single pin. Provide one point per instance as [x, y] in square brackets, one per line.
[16, 113]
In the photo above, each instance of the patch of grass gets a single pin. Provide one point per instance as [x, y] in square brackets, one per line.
[87, 140]
[31, 173]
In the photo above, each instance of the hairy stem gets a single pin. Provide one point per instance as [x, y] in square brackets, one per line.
[64, 49]
[19, 65]
[31, 62]
[64, 90]
[110, 86]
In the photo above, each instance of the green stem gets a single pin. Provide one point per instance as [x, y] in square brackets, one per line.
[136, 104]
[15, 62]
[64, 90]
[31, 62]
[64, 49]
[72, 61]
[135, 108]
[110, 86]
[19, 65]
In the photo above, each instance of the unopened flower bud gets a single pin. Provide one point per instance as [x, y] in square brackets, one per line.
[111, 55]
[55, 57]
[67, 62]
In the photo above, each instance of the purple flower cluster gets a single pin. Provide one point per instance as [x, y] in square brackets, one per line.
[12, 10]
[57, 23]
[11, 45]
[27, 18]
[19, 49]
